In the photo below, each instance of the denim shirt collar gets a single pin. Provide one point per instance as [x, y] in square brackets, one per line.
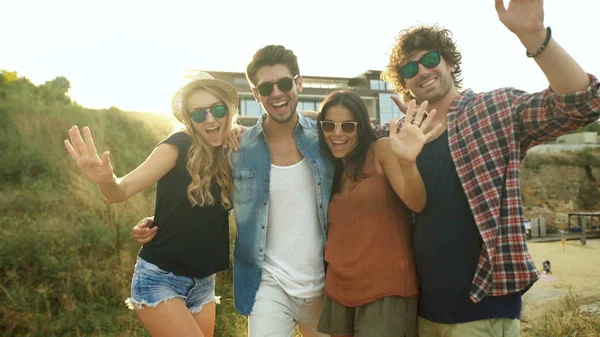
[258, 129]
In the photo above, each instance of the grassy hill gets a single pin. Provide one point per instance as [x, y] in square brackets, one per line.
[66, 256]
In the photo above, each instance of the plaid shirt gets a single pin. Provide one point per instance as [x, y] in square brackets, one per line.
[489, 135]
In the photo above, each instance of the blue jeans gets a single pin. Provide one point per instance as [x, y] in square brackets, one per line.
[151, 286]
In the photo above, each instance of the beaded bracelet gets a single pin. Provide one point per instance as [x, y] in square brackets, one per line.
[544, 45]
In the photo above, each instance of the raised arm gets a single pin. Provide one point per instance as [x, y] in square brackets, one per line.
[404, 177]
[573, 98]
[525, 18]
[397, 156]
[100, 171]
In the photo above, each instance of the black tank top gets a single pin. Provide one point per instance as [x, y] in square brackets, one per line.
[191, 241]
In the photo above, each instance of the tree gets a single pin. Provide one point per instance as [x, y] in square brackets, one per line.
[56, 90]
[59, 85]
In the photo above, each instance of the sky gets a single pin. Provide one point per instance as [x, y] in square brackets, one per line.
[133, 54]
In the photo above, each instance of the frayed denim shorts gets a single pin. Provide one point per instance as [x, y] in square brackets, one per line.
[152, 286]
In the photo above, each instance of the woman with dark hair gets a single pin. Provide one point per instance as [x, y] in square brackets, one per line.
[370, 283]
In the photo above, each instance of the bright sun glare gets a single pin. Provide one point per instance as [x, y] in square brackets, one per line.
[114, 55]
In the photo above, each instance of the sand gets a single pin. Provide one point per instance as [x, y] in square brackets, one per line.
[576, 268]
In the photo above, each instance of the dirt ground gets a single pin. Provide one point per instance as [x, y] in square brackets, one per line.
[577, 268]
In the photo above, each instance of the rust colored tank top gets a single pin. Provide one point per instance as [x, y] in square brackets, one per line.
[368, 250]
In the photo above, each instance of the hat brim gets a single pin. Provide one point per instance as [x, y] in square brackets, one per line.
[177, 102]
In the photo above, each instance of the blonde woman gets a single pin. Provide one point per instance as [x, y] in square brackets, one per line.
[174, 277]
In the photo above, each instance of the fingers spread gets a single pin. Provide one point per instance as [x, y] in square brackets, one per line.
[89, 142]
[420, 113]
[71, 150]
[105, 161]
[77, 141]
[430, 116]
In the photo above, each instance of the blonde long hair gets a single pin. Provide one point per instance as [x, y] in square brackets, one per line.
[205, 162]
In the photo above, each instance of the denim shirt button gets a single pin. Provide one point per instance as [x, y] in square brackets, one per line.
[320, 205]
[260, 250]
[265, 204]
[263, 227]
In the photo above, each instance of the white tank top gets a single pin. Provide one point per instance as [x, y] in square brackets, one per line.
[294, 247]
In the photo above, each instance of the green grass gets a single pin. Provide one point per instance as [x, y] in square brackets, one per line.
[565, 320]
[66, 256]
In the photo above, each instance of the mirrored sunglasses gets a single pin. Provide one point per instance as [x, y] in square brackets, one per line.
[217, 111]
[429, 61]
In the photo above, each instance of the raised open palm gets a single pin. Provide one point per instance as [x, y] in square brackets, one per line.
[407, 141]
[521, 17]
[86, 157]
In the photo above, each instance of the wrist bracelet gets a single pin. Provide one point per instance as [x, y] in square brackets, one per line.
[544, 45]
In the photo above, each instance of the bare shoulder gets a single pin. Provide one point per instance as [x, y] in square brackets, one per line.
[382, 148]
[381, 145]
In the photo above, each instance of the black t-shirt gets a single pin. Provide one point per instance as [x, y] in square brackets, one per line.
[191, 241]
[447, 246]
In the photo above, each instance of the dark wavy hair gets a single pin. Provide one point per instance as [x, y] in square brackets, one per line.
[421, 38]
[365, 134]
[269, 56]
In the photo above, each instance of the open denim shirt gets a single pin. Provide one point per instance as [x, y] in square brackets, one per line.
[251, 175]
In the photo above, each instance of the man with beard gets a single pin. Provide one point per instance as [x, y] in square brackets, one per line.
[470, 243]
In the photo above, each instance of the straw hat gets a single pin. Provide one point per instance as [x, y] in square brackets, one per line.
[200, 79]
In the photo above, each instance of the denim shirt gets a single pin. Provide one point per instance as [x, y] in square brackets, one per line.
[251, 174]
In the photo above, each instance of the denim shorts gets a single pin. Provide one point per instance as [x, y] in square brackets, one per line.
[152, 286]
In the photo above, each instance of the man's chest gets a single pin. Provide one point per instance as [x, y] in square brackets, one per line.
[284, 152]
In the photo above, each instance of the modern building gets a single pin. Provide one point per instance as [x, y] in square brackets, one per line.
[375, 92]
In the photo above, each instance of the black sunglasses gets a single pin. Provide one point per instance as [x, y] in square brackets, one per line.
[429, 61]
[347, 127]
[284, 84]
[217, 111]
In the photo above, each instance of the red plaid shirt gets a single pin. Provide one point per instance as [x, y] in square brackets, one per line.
[489, 134]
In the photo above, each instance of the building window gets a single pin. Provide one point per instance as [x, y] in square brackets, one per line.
[309, 104]
[249, 107]
[388, 109]
[376, 85]
[381, 85]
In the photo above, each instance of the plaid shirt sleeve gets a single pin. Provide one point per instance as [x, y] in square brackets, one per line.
[486, 144]
[545, 115]
[381, 130]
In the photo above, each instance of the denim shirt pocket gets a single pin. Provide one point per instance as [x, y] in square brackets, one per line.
[243, 180]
